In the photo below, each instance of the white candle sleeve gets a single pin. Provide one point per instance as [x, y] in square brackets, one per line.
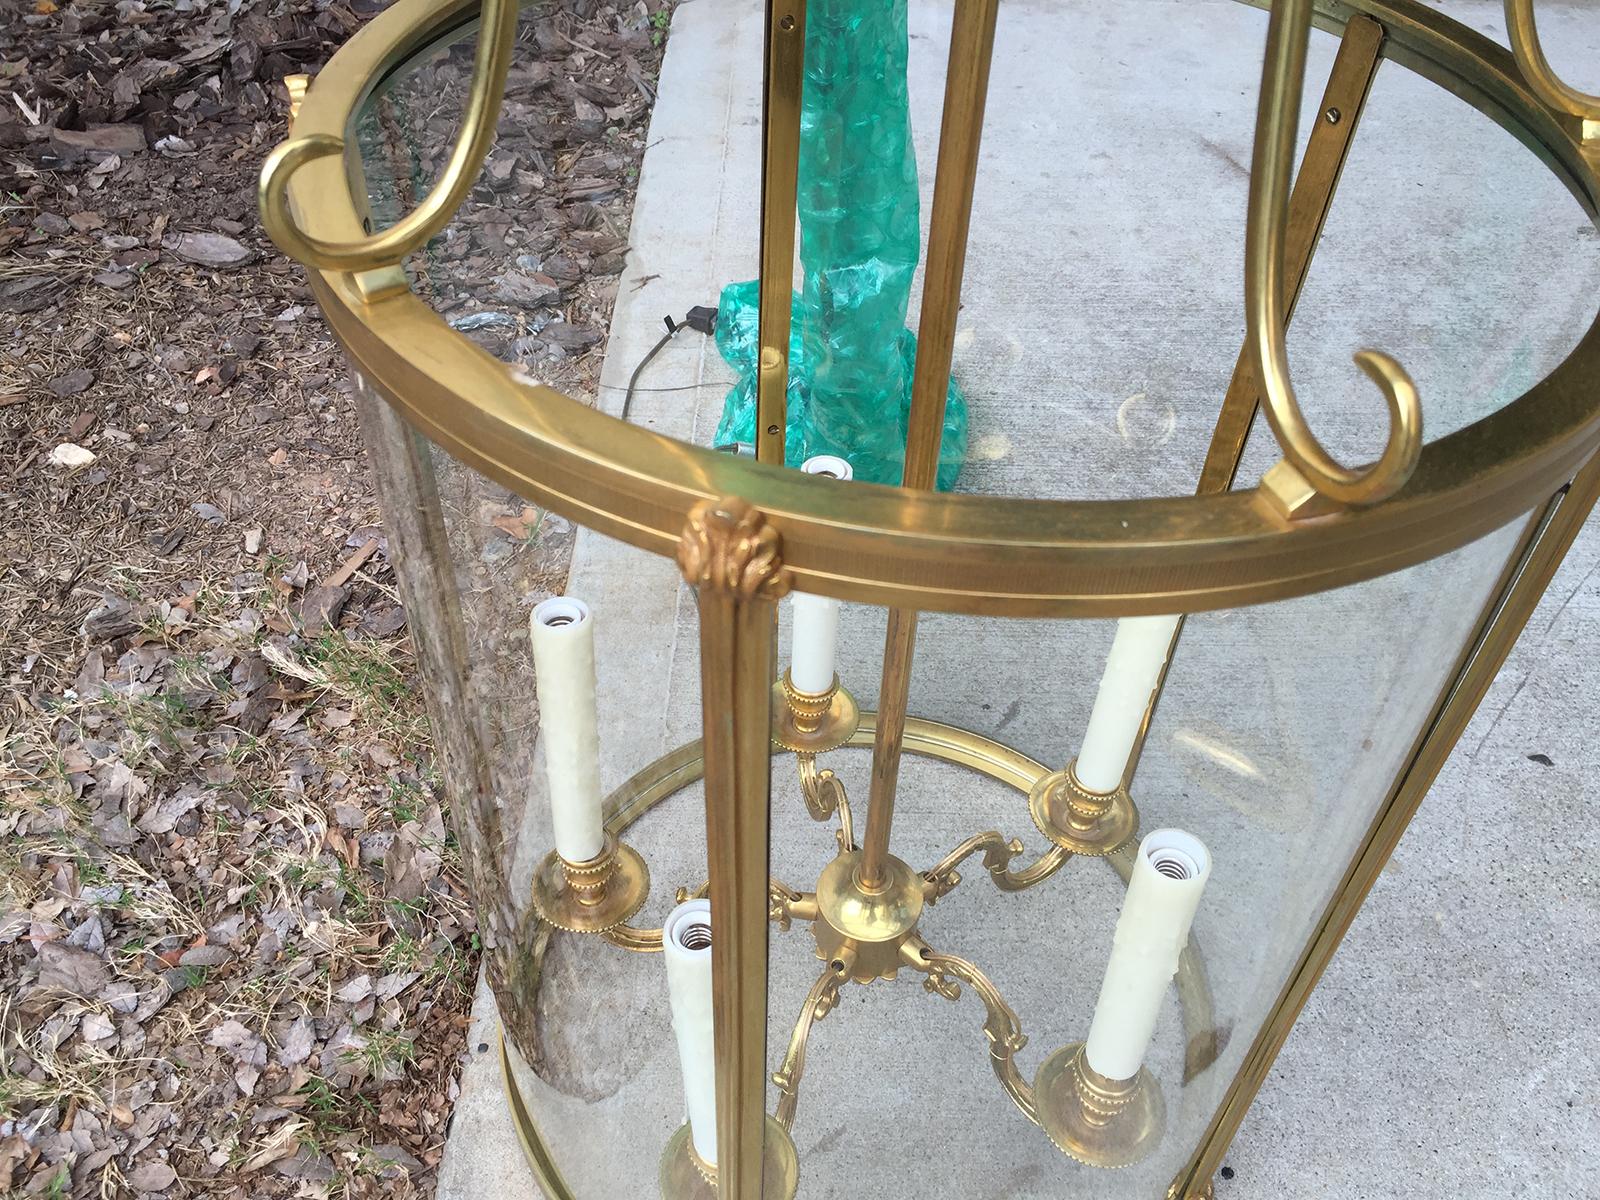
[563, 658]
[686, 940]
[816, 618]
[1169, 873]
[816, 636]
[1132, 669]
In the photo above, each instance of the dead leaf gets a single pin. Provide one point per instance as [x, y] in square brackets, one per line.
[209, 249]
[121, 140]
[297, 1042]
[71, 969]
[320, 608]
[235, 1038]
[520, 526]
[152, 1177]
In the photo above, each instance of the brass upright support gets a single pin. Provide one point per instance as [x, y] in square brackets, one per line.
[296, 86]
[894, 694]
[1344, 100]
[1306, 463]
[966, 88]
[1328, 148]
[780, 165]
[730, 555]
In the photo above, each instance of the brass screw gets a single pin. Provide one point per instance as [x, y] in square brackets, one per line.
[1333, 115]
[786, 24]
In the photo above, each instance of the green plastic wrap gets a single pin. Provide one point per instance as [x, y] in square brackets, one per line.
[851, 355]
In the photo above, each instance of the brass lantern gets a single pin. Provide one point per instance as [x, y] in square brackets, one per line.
[1176, 815]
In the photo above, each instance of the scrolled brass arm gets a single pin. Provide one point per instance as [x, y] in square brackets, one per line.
[1541, 77]
[943, 878]
[820, 1001]
[496, 39]
[1283, 78]
[945, 974]
[824, 796]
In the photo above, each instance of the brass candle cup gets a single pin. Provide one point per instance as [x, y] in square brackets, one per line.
[1079, 820]
[1100, 1122]
[591, 896]
[686, 1176]
[813, 722]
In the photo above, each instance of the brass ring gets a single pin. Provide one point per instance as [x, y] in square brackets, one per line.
[874, 544]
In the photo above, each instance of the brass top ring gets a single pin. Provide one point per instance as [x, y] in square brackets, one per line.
[965, 553]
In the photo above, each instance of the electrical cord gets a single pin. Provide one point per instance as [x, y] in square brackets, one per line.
[700, 317]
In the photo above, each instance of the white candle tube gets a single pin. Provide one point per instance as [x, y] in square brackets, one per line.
[1132, 669]
[816, 638]
[816, 618]
[562, 630]
[1169, 874]
[686, 940]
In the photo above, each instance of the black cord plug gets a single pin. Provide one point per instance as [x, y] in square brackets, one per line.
[700, 317]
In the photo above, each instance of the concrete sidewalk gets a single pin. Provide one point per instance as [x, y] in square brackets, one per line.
[1450, 1050]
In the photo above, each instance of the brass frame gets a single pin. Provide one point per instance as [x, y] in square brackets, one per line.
[780, 165]
[375, 258]
[1266, 302]
[1311, 526]
[875, 544]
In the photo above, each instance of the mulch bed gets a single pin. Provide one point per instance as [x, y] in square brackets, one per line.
[236, 957]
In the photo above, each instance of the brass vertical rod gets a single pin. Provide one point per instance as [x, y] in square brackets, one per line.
[780, 165]
[738, 653]
[730, 555]
[1524, 581]
[955, 177]
[894, 694]
[1327, 151]
[954, 180]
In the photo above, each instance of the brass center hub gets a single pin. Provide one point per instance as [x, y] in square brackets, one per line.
[860, 932]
